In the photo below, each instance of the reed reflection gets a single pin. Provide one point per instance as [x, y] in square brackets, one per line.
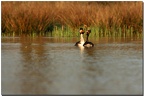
[33, 77]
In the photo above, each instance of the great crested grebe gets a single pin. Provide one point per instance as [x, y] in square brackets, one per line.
[81, 42]
[88, 44]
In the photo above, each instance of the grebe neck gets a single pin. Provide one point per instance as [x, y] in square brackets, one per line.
[81, 39]
[87, 37]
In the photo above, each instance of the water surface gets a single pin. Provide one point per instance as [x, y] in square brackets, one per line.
[55, 66]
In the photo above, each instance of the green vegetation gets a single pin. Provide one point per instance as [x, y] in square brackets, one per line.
[29, 18]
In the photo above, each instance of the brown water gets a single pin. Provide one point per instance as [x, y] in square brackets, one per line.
[55, 66]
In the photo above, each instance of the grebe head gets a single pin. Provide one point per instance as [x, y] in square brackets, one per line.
[88, 32]
[81, 31]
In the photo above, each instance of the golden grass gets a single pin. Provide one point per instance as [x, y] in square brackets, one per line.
[36, 17]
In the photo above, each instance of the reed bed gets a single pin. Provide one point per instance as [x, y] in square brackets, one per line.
[64, 18]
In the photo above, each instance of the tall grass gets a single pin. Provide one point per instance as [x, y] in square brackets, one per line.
[65, 18]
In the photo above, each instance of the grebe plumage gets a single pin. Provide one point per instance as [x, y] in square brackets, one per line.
[88, 44]
[81, 42]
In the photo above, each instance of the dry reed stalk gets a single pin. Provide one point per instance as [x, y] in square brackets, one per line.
[35, 17]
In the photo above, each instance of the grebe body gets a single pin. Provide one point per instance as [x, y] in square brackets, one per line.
[88, 44]
[81, 42]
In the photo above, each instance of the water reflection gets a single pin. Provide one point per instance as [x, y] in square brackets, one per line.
[81, 50]
[33, 76]
[87, 51]
[106, 65]
[55, 66]
[90, 71]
